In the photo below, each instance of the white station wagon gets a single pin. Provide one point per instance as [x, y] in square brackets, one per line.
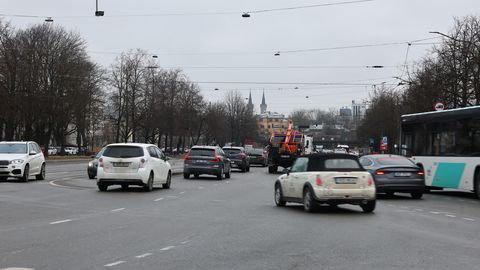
[331, 179]
[138, 164]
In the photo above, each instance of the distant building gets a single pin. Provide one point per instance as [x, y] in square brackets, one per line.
[250, 103]
[359, 111]
[263, 106]
[269, 122]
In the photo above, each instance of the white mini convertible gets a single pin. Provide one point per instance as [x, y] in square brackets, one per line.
[330, 179]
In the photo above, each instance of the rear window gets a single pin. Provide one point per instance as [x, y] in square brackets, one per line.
[394, 161]
[341, 164]
[202, 152]
[255, 152]
[231, 151]
[321, 164]
[123, 151]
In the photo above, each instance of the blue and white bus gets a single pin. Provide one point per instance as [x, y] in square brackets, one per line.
[447, 145]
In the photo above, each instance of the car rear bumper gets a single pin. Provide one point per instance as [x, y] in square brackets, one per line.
[381, 188]
[202, 170]
[352, 196]
[107, 181]
[258, 161]
[140, 176]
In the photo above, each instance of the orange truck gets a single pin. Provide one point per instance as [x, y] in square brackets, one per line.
[284, 148]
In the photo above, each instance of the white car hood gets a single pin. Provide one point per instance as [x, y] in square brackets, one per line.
[13, 156]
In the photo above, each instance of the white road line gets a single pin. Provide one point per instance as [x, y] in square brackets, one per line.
[228, 182]
[143, 255]
[452, 216]
[60, 221]
[116, 210]
[435, 213]
[114, 263]
[183, 192]
[469, 219]
[159, 199]
[167, 248]
[185, 242]
[200, 187]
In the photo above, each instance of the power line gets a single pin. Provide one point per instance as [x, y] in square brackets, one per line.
[190, 13]
[288, 83]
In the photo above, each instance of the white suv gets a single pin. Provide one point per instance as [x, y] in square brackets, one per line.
[20, 160]
[133, 164]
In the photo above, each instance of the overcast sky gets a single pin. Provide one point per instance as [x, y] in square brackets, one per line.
[222, 48]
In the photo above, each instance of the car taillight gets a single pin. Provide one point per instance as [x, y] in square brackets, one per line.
[100, 162]
[379, 173]
[143, 162]
[187, 157]
[421, 173]
[242, 156]
[216, 158]
[370, 181]
[318, 181]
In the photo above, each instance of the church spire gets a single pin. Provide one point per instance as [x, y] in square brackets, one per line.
[263, 106]
[250, 103]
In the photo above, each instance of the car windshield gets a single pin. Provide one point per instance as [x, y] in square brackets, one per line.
[100, 153]
[123, 151]
[13, 148]
[202, 152]
[394, 161]
[232, 151]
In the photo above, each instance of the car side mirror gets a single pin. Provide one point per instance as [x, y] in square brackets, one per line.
[287, 170]
[32, 153]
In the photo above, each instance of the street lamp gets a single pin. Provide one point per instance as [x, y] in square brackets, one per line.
[277, 54]
[49, 20]
[98, 13]
[246, 15]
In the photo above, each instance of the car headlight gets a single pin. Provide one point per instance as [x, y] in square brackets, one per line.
[90, 164]
[17, 161]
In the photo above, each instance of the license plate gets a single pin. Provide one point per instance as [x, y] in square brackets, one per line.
[285, 156]
[121, 164]
[201, 161]
[403, 174]
[233, 164]
[345, 180]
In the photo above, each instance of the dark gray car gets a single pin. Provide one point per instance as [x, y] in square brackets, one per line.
[93, 165]
[393, 173]
[206, 160]
[239, 159]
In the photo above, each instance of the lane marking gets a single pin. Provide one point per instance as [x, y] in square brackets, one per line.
[469, 219]
[159, 199]
[228, 182]
[173, 197]
[167, 248]
[183, 192]
[116, 210]
[185, 242]
[200, 187]
[435, 213]
[60, 221]
[114, 263]
[452, 216]
[143, 255]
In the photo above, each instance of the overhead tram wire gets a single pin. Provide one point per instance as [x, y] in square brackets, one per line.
[189, 13]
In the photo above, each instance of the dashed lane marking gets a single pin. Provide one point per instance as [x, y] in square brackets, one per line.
[183, 192]
[167, 248]
[159, 199]
[118, 209]
[200, 187]
[114, 263]
[452, 216]
[469, 219]
[143, 255]
[60, 221]
[435, 213]
[185, 242]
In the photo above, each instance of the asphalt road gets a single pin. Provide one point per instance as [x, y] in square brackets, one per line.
[65, 223]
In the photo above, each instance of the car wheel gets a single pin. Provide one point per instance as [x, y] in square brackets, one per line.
[149, 186]
[41, 176]
[26, 173]
[279, 201]
[91, 176]
[227, 174]
[271, 169]
[248, 168]
[416, 195]
[169, 181]
[196, 176]
[309, 204]
[102, 187]
[220, 174]
[369, 206]
[3, 178]
[186, 175]
[477, 185]
[244, 169]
